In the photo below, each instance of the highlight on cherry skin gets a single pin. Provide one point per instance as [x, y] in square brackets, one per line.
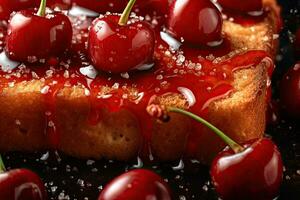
[20, 184]
[30, 35]
[198, 23]
[138, 184]
[253, 170]
[134, 42]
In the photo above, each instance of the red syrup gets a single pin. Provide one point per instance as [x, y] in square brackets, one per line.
[199, 75]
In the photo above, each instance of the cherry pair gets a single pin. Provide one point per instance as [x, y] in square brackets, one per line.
[36, 36]
[197, 22]
[20, 184]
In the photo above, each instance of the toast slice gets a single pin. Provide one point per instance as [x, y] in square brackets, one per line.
[25, 127]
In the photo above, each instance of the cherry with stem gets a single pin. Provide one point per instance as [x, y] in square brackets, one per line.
[253, 170]
[135, 42]
[41, 26]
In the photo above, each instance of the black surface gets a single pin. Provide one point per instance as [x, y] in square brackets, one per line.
[69, 178]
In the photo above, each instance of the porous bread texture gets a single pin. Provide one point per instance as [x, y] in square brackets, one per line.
[117, 135]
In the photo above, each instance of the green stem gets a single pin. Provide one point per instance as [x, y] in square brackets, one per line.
[42, 10]
[233, 145]
[125, 15]
[2, 166]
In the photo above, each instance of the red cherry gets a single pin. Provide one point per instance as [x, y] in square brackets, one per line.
[252, 171]
[33, 38]
[21, 184]
[120, 48]
[8, 6]
[138, 184]
[255, 173]
[197, 22]
[290, 92]
[242, 6]
[297, 44]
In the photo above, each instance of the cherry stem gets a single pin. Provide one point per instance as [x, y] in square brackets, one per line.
[233, 145]
[125, 15]
[2, 166]
[42, 10]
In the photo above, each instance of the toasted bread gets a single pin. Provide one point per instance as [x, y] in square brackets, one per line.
[117, 136]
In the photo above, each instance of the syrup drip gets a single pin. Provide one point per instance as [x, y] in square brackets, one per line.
[49, 92]
[199, 75]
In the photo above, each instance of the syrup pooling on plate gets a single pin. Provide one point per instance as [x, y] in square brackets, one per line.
[194, 76]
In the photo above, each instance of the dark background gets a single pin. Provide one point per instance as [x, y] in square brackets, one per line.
[69, 178]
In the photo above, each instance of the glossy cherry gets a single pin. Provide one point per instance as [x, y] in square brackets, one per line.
[242, 6]
[34, 37]
[255, 173]
[21, 184]
[138, 184]
[196, 22]
[251, 171]
[290, 92]
[297, 44]
[116, 46]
